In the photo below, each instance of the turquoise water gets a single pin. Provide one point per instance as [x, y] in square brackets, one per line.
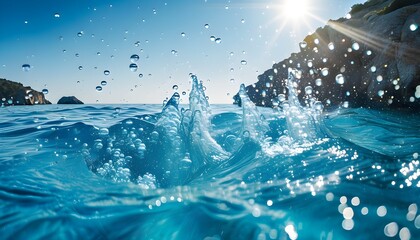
[210, 172]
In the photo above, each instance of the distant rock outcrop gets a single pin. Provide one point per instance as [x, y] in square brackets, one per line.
[69, 100]
[371, 59]
[14, 93]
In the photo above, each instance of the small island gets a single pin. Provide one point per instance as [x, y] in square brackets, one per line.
[69, 100]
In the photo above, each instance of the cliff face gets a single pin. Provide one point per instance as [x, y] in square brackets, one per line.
[13, 93]
[371, 59]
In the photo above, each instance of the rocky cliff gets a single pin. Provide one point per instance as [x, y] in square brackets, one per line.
[14, 93]
[369, 59]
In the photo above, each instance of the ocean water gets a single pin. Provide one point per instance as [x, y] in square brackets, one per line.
[202, 171]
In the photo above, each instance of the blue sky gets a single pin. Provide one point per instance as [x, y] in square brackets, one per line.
[257, 31]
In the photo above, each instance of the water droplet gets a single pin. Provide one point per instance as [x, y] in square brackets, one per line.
[140, 75]
[26, 67]
[218, 40]
[331, 46]
[212, 38]
[184, 93]
[45, 91]
[391, 229]
[379, 78]
[56, 15]
[355, 46]
[107, 72]
[79, 34]
[413, 27]
[80, 67]
[348, 15]
[243, 62]
[231, 54]
[373, 69]
[136, 44]
[206, 26]
[316, 41]
[308, 90]
[381, 93]
[242, 20]
[303, 44]
[175, 87]
[324, 71]
[174, 52]
[133, 67]
[103, 83]
[182, 34]
[368, 52]
[318, 82]
[310, 63]
[232, 80]
[318, 106]
[98, 88]
[339, 79]
[134, 58]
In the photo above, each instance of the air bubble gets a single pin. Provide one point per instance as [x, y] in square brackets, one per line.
[381, 93]
[243, 62]
[391, 229]
[379, 78]
[175, 87]
[212, 38]
[373, 69]
[103, 83]
[98, 88]
[318, 82]
[324, 71]
[107, 72]
[206, 26]
[218, 40]
[80, 67]
[182, 34]
[140, 75]
[356, 46]
[308, 90]
[339, 79]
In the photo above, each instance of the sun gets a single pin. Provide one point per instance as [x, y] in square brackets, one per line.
[294, 9]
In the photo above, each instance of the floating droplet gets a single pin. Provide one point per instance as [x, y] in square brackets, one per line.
[355, 46]
[243, 62]
[413, 27]
[373, 69]
[182, 34]
[318, 82]
[107, 72]
[98, 88]
[134, 58]
[45, 91]
[206, 26]
[232, 80]
[174, 52]
[303, 44]
[318, 106]
[218, 40]
[331, 46]
[339, 79]
[56, 15]
[324, 71]
[133, 67]
[175, 87]
[368, 52]
[184, 93]
[80, 67]
[103, 83]
[79, 34]
[381, 93]
[242, 20]
[212, 38]
[26, 67]
[379, 78]
[308, 90]
[348, 15]
[316, 41]
[310, 64]
[140, 75]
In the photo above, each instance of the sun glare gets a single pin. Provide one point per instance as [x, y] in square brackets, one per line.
[294, 9]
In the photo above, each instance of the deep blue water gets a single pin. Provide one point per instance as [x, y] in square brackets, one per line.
[140, 172]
